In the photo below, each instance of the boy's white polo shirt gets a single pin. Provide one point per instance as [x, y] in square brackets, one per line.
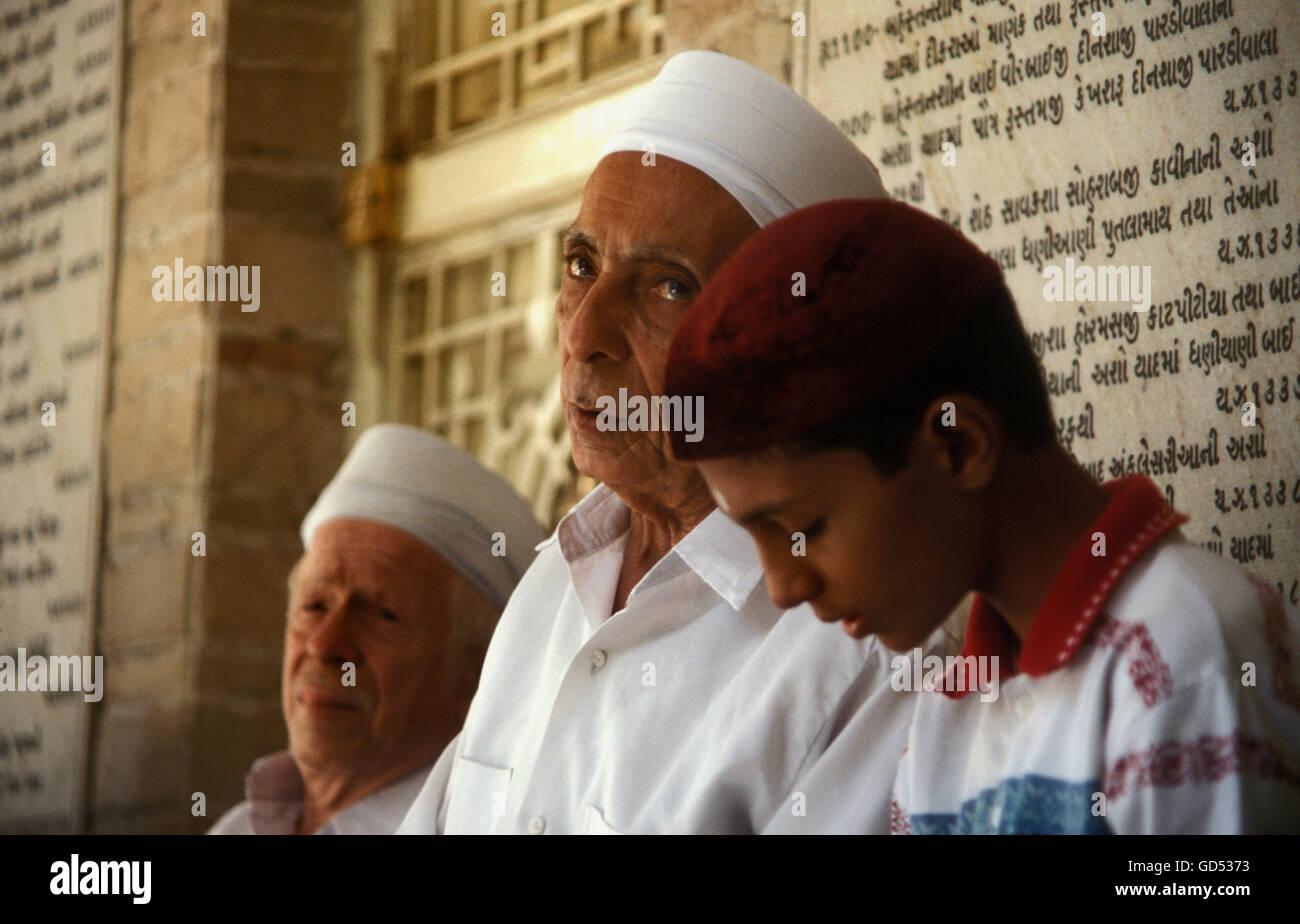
[1157, 692]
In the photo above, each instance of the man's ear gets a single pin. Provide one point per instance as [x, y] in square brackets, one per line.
[963, 437]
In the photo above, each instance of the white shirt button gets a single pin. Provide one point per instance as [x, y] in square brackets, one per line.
[597, 660]
[536, 825]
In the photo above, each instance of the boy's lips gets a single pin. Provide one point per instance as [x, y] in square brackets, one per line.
[854, 625]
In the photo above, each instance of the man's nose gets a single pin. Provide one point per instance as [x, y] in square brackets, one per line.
[591, 329]
[332, 638]
[790, 581]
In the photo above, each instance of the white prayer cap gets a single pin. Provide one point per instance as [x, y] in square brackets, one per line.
[757, 138]
[419, 483]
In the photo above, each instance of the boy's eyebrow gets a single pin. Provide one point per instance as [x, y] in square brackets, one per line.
[763, 512]
[771, 507]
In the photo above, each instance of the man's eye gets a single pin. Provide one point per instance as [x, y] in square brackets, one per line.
[316, 606]
[673, 290]
[579, 266]
[387, 615]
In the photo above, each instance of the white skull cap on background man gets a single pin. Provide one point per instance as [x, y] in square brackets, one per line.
[415, 481]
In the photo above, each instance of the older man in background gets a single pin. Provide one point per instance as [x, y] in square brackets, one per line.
[411, 552]
[640, 680]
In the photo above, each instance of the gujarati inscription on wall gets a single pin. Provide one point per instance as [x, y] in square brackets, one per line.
[1069, 136]
[58, 137]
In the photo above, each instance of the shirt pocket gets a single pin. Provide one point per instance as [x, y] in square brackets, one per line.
[596, 823]
[479, 794]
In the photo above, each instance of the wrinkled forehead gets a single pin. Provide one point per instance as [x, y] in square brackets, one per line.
[630, 203]
[358, 552]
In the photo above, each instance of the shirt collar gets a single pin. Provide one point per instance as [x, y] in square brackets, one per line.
[1134, 518]
[274, 790]
[721, 553]
[724, 556]
[593, 523]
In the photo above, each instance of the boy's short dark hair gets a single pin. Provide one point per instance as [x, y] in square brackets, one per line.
[987, 356]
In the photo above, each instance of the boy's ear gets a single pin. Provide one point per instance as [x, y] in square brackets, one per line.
[964, 439]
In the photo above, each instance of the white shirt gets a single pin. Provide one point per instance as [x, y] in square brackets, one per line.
[274, 803]
[1159, 693]
[698, 708]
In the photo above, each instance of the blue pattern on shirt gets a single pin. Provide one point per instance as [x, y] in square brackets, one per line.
[1030, 804]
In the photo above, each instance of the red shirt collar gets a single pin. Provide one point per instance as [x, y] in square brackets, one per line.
[1136, 516]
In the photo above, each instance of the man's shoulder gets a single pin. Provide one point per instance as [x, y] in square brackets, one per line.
[541, 584]
[238, 820]
[546, 568]
[801, 657]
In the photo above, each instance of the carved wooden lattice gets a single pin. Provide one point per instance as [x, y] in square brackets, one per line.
[474, 357]
[481, 368]
[459, 75]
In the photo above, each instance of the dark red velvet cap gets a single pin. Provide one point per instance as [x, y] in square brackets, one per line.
[884, 283]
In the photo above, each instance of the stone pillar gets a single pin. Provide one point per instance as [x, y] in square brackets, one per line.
[219, 421]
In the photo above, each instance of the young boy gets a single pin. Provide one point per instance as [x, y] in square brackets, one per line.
[875, 418]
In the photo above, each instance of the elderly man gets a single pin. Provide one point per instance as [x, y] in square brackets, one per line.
[640, 680]
[411, 551]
